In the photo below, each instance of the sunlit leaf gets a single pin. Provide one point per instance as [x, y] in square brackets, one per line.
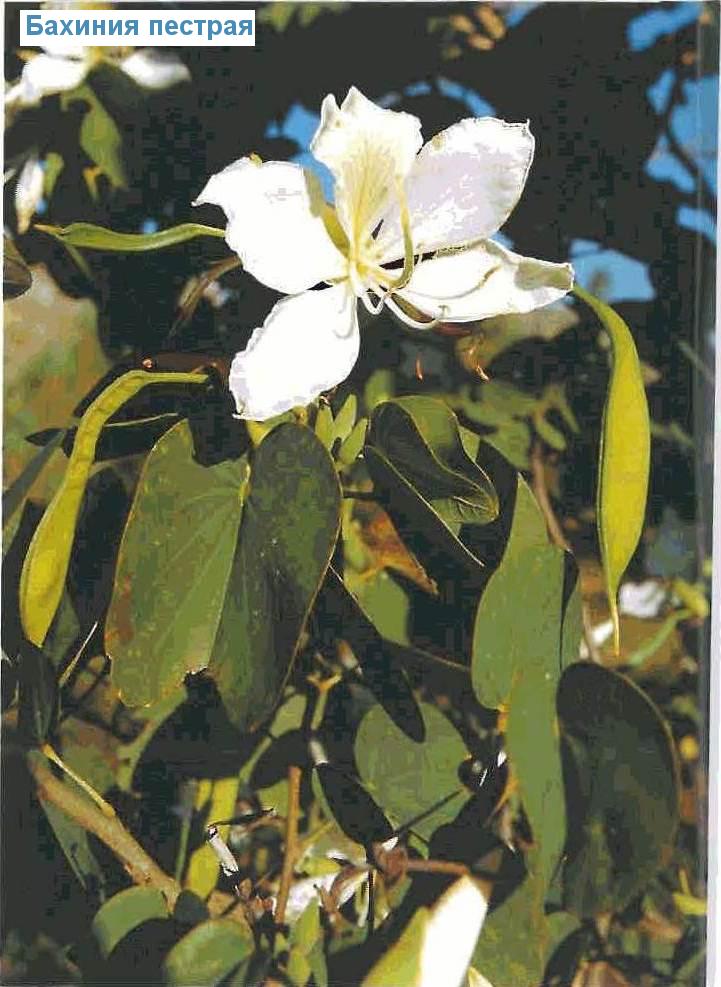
[291, 519]
[408, 777]
[624, 457]
[173, 568]
[216, 799]
[621, 789]
[94, 237]
[124, 912]
[437, 945]
[208, 953]
[46, 564]
[519, 614]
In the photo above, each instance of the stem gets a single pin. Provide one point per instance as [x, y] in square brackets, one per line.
[544, 501]
[291, 841]
[191, 303]
[140, 867]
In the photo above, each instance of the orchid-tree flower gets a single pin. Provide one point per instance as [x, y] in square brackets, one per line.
[64, 65]
[410, 231]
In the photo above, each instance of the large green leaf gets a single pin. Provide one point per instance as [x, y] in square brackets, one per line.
[518, 621]
[419, 436]
[208, 953]
[624, 457]
[621, 789]
[518, 938]
[93, 237]
[173, 568]
[46, 564]
[124, 912]
[406, 777]
[534, 753]
[290, 524]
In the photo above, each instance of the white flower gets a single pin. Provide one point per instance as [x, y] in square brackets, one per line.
[409, 231]
[28, 192]
[62, 66]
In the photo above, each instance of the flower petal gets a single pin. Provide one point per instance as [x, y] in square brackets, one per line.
[368, 150]
[154, 70]
[483, 280]
[28, 192]
[276, 223]
[463, 186]
[308, 344]
[44, 75]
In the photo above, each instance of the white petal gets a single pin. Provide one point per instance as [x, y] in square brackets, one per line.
[276, 223]
[44, 75]
[451, 934]
[463, 185]
[482, 280]
[643, 600]
[154, 70]
[28, 192]
[369, 150]
[308, 344]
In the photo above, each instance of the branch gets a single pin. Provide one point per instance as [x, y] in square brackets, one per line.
[141, 868]
[291, 842]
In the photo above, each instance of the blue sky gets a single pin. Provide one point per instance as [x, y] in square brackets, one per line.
[693, 125]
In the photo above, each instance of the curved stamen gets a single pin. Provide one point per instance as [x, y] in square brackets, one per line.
[368, 304]
[408, 256]
[413, 323]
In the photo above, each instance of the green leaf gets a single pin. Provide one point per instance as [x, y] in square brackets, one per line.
[290, 524]
[124, 912]
[533, 747]
[517, 939]
[621, 789]
[401, 964]
[54, 165]
[406, 777]
[209, 953]
[93, 237]
[519, 615]
[99, 135]
[38, 701]
[305, 936]
[74, 843]
[572, 630]
[173, 568]
[14, 496]
[624, 457]
[420, 437]
[46, 564]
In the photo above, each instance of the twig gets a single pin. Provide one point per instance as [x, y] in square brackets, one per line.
[140, 867]
[544, 501]
[204, 281]
[291, 841]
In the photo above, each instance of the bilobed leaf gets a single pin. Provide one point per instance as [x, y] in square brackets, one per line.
[124, 912]
[173, 568]
[290, 524]
[420, 437]
[621, 789]
[406, 777]
[624, 457]
[208, 953]
[93, 237]
[518, 622]
[46, 564]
